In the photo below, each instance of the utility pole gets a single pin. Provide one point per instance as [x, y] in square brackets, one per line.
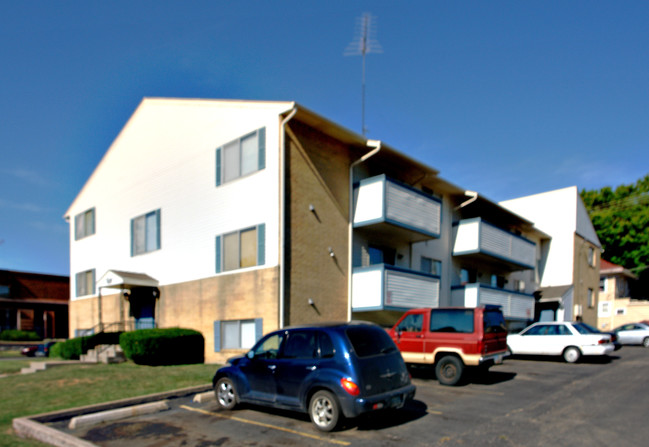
[364, 43]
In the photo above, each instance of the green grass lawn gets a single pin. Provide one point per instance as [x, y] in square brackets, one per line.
[77, 385]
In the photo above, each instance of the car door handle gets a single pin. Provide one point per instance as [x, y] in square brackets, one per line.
[311, 368]
[272, 367]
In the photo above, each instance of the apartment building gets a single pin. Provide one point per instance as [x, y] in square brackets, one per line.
[616, 307]
[569, 268]
[236, 218]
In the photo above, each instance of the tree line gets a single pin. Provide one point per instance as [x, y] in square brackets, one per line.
[621, 219]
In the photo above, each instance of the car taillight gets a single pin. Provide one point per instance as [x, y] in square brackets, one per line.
[350, 386]
[603, 341]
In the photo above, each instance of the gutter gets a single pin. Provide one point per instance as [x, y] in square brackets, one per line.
[282, 211]
[376, 145]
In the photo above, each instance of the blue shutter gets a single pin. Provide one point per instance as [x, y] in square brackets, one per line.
[218, 166]
[157, 220]
[261, 138]
[218, 254]
[77, 284]
[217, 336]
[132, 237]
[261, 244]
[94, 284]
[259, 328]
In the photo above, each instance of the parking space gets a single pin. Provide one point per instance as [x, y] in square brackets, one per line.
[524, 402]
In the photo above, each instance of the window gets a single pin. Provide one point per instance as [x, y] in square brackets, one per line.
[431, 266]
[145, 233]
[452, 320]
[241, 157]
[236, 334]
[4, 291]
[412, 323]
[591, 299]
[301, 345]
[269, 348]
[602, 284]
[240, 249]
[84, 224]
[519, 285]
[591, 256]
[85, 283]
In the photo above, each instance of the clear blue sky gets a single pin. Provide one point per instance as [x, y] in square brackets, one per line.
[508, 98]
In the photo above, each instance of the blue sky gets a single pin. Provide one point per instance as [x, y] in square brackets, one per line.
[508, 98]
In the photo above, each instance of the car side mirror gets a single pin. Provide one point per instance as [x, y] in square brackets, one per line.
[250, 355]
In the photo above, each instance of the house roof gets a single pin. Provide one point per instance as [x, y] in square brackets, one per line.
[607, 268]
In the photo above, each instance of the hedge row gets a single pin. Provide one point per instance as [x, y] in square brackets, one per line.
[173, 346]
[18, 335]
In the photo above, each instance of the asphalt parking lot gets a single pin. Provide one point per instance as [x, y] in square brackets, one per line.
[523, 402]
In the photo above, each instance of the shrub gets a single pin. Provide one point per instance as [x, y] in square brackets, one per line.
[173, 346]
[55, 349]
[18, 335]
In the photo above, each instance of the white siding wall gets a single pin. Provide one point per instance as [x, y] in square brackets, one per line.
[165, 159]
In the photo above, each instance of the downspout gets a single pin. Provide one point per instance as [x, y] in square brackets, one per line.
[473, 197]
[282, 212]
[376, 145]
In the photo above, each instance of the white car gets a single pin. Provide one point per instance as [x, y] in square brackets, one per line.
[568, 339]
[633, 334]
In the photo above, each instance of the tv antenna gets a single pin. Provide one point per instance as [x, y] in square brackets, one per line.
[364, 43]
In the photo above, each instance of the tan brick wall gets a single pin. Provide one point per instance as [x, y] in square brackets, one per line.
[586, 277]
[318, 176]
[197, 305]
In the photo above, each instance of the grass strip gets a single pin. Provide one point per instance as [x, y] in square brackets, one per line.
[70, 386]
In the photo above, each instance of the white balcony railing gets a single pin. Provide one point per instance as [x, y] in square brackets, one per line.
[514, 304]
[384, 287]
[381, 200]
[474, 236]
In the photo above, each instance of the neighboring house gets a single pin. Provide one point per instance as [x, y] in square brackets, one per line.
[569, 271]
[34, 302]
[236, 218]
[615, 306]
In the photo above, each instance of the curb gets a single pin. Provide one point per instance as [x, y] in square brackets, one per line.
[34, 426]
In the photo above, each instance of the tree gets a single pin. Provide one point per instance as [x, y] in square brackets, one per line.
[621, 219]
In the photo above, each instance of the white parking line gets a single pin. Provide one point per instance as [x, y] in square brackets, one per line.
[261, 424]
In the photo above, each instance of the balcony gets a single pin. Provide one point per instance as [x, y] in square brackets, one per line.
[515, 305]
[394, 210]
[384, 287]
[478, 239]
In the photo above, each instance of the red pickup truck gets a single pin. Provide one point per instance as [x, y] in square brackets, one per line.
[452, 338]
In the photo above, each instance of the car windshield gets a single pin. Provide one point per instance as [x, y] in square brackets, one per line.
[369, 340]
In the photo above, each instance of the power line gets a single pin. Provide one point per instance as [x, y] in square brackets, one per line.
[364, 43]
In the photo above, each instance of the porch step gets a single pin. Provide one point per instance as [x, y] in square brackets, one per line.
[104, 354]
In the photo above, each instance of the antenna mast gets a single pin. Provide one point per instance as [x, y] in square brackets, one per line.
[364, 43]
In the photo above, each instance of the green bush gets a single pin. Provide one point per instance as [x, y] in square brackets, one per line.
[17, 335]
[55, 349]
[173, 346]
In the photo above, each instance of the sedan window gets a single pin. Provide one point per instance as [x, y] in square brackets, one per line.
[300, 345]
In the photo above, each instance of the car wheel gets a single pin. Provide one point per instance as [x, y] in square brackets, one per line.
[226, 394]
[645, 342]
[324, 410]
[449, 370]
[571, 354]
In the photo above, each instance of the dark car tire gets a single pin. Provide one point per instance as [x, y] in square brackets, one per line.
[645, 342]
[449, 370]
[324, 410]
[571, 354]
[226, 394]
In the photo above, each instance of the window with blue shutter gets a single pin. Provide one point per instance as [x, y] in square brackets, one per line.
[240, 249]
[241, 157]
[145, 233]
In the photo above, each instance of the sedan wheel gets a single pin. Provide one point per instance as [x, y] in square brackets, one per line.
[324, 411]
[645, 342]
[226, 394]
[571, 354]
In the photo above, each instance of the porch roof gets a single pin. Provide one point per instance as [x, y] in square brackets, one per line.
[117, 279]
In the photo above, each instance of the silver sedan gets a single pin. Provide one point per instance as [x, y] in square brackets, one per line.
[633, 334]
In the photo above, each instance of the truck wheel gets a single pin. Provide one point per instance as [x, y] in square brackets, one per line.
[449, 370]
